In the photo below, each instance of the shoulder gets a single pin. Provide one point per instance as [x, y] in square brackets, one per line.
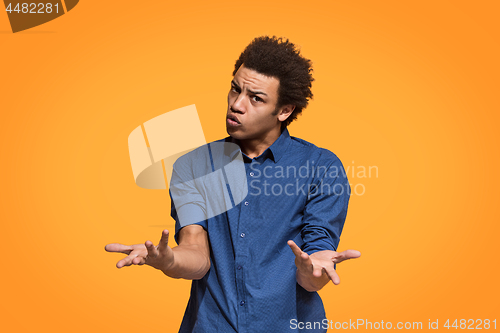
[196, 152]
[321, 156]
[199, 160]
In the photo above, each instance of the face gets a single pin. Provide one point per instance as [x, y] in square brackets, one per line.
[252, 100]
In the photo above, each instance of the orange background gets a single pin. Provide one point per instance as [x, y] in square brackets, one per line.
[409, 87]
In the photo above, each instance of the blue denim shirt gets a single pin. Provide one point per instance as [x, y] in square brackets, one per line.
[295, 191]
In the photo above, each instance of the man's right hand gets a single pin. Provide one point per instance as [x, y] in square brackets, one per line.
[190, 260]
[160, 257]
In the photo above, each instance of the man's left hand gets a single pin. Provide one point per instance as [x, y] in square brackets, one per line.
[315, 270]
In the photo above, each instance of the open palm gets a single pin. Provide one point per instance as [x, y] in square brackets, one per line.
[159, 257]
[321, 261]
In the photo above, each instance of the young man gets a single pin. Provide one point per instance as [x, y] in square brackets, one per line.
[257, 267]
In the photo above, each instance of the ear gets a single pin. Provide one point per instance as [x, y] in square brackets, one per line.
[285, 112]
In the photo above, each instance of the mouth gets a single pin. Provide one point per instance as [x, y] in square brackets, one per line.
[231, 120]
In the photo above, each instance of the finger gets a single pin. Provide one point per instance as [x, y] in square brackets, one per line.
[162, 246]
[346, 255]
[296, 250]
[139, 260]
[127, 261]
[332, 274]
[305, 262]
[152, 250]
[317, 271]
[120, 248]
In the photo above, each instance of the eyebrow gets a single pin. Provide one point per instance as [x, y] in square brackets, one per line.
[252, 92]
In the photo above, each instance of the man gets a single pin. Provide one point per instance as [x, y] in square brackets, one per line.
[257, 267]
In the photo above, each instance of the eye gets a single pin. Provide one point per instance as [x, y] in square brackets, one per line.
[235, 89]
[257, 99]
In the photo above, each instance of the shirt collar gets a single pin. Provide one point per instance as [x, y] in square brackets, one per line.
[279, 146]
[275, 151]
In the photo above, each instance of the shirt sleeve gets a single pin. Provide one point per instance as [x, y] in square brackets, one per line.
[187, 203]
[326, 207]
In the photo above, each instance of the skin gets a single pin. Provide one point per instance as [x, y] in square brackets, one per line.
[252, 101]
[316, 270]
[190, 260]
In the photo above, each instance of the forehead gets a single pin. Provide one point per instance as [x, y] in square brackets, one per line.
[253, 79]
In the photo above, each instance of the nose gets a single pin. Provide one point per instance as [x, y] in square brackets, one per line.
[239, 104]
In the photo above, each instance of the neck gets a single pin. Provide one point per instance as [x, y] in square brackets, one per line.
[256, 146]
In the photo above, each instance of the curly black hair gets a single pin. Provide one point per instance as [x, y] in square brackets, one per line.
[279, 58]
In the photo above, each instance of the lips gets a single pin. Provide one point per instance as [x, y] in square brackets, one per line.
[233, 120]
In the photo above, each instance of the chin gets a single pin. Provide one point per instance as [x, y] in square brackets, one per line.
[236, 134]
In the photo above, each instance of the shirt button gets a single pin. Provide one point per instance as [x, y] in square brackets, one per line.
[251, 174]
[242, 303]
[246, 203]
[239, 267]
[242, 235]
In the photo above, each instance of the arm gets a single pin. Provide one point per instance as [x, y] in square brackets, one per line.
[192, 256]
[323, 220]
[190, 260]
